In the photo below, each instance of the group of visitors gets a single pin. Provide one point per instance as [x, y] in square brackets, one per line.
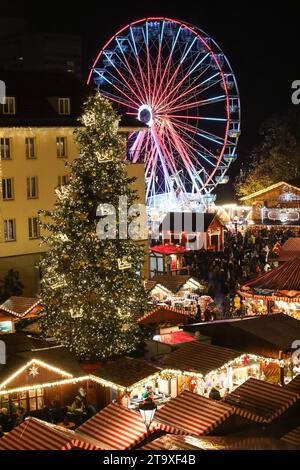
[69, 417]
[245, 256]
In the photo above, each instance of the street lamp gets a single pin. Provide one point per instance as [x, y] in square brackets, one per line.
[147, 410]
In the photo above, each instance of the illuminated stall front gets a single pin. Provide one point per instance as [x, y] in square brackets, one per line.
[203, 368]
[277, 291]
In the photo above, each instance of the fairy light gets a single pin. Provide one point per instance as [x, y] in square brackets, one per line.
[36, 362]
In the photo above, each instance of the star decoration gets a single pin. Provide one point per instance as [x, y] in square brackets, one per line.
[33, 371]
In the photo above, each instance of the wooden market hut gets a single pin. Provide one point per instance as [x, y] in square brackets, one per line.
[200, 367]
[278, 204]
[270, 336]
[193, 230]
[162, 286]
[196, 415]
[15, 309]
[124, 378]
[35, 377]
[35, 434]
[278, 289]
[261, 402]
[118, 428]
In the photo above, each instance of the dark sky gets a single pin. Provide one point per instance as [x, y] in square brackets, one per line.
[260, 38]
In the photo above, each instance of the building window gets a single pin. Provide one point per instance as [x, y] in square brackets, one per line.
[30, 147]
[9, 230]
[7, 189]
[63, 180]
[5, 148]
[61, 147]
[64, 106]
[33, 228]
[36, 399]
[32, 187]
[9, 107]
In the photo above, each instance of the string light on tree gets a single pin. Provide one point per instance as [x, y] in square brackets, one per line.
[91, 288]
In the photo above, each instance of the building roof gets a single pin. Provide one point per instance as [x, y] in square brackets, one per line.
[34, 434]
[189, 222]
[184, 443]
[21, 307]
[277, 330]
[169, 282]
[57, 357]
[293, 438]
[199, 358]
[19, 342]
[260, 401]
[268, 189]
[290, 249]
[126, 371]
[194, 414]
[164, 314]
[294, 385]
[285, 277]
[117, 428]
[36, 96]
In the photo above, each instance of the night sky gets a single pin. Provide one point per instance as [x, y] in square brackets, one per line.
[261, 43]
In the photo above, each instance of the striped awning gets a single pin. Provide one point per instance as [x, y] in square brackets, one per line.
[294, 385]
[193, 414]
[117, 428]
[21, 306]
[293, 437]
[261, 401]
[34, 434]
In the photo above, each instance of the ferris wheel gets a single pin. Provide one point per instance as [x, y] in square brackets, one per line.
[176, 80]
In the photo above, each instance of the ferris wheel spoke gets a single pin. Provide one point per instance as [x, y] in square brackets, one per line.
[193, 104]
[134, 49]
[124, 83]
[186, 130]
[185, 78]
[179, 145]
[127, 66]
[192, 90]
[136, 147]
[166, 72]
[116, 99]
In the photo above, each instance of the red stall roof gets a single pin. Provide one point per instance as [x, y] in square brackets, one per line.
[284, 278]
[117, 428]
[169, 249]
[21, 306]
[165, 314]
[293, 437]
[34, 434]
[261, 401]
[290, 249]
[194, 414]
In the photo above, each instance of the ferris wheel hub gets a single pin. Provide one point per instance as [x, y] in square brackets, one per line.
[145, 114]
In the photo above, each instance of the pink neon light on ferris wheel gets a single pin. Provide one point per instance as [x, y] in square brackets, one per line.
[163, 72]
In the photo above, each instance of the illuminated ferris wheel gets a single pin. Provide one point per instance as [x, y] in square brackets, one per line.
[175, 79]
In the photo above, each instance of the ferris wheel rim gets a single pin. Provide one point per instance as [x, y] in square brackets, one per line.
[199, 33]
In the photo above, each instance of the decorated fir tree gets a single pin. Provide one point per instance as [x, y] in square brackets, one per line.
[91, 287]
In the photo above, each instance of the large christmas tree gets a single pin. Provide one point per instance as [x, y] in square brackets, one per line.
[91, 287]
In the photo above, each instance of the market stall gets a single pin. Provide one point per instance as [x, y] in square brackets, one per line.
[204, 369]
[277, 291]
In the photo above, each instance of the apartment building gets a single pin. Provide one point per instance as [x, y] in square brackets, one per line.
[36, 140]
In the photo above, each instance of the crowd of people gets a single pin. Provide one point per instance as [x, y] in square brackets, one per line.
[69, 417]
[246, 255]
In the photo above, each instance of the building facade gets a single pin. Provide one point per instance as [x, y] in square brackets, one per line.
[36, 142]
